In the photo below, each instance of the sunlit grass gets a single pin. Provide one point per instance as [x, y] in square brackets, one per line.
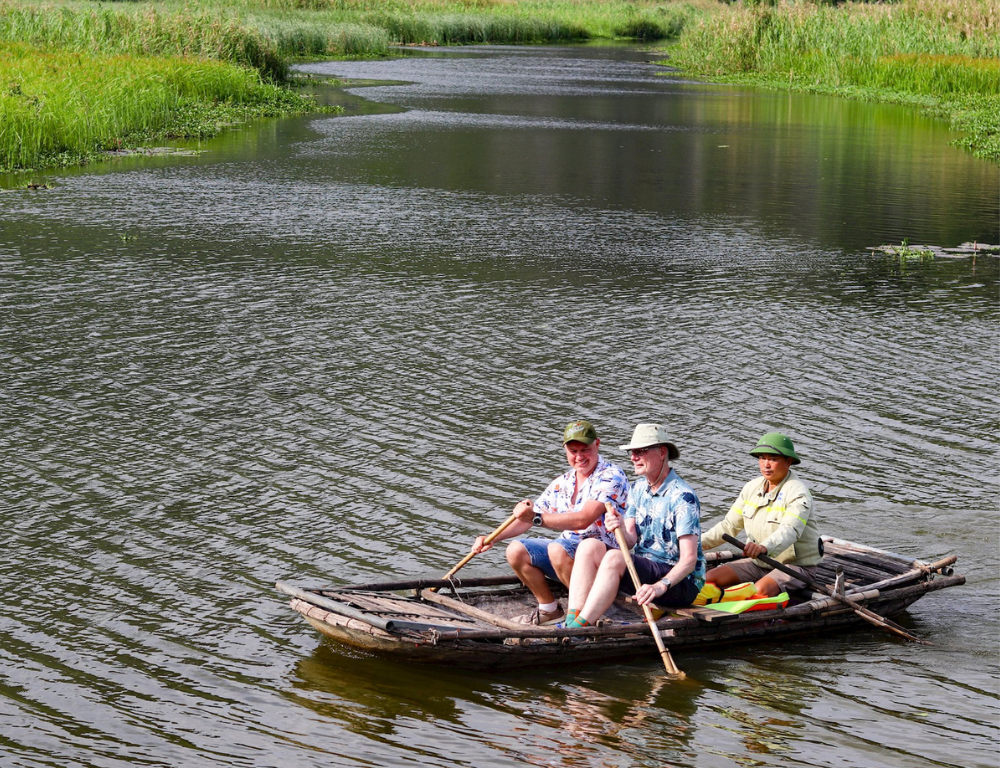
[941, 54]
[260, 33]
[65, 106]
[444, 22]
[140, 30]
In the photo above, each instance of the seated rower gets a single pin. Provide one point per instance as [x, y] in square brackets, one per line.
[776, 510]
[573, 503]
[661, 522]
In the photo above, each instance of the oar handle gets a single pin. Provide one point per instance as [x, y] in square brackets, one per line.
[865, 613]
[780, 566]
[488, 540]
[668, 660]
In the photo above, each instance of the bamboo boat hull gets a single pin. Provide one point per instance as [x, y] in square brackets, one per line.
[471, 628]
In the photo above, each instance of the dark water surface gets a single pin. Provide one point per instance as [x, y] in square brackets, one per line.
[336, 349]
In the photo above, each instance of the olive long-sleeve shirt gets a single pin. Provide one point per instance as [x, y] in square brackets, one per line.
[782, 521]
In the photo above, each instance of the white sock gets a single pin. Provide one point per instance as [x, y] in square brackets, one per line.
[548, 607]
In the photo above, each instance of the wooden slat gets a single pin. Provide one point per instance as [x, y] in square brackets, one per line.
[890, 565]
[705, 614]
[390, 606]
[392, 586]
[858, 572]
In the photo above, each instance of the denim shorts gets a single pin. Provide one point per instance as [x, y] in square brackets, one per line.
[538, 550]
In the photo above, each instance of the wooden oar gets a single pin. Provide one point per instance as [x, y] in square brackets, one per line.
[488, 540]
[868, 615]
[668, 660]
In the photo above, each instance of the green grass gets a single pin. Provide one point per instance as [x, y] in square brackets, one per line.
[266, 33]
[442, 22]
[939, 55]
[141, 30]
[369, 27]
[62, 107]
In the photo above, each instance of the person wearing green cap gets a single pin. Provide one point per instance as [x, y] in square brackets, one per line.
[776, 511]
[573, 503]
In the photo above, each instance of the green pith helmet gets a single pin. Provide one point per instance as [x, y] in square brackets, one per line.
[775, 442]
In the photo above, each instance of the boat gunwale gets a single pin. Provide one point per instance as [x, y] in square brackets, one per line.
[808, 615]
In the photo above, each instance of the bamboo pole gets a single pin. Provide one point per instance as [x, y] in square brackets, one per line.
[488, 540]
[668, 661]
[870, 616]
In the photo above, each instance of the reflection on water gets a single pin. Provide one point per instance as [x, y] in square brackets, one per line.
[616, 718]
[335, 349]
[626, 137]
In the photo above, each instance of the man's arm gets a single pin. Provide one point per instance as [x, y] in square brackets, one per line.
[732, 524]
[590, 510]
[522, 509]
[613, 521]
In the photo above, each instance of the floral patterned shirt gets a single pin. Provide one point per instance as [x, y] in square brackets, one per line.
[606, 483]
[661, 517]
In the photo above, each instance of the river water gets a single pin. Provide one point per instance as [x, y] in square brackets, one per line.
[331, 349]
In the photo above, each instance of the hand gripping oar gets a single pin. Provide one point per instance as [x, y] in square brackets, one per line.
[668, 660]
[488, 540]
[870, 616]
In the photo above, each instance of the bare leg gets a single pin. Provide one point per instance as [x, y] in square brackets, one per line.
[530, 576]
[605, 588]
[588, 560]
[768, 586]
[562, 563]
[722, 577]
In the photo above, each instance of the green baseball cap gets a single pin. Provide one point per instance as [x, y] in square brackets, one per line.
[579, 432]
[775, 442]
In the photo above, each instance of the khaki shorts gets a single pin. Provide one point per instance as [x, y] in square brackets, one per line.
[748, 570]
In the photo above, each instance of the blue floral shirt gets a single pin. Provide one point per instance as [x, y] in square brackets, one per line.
[674, 510]
[606, 483]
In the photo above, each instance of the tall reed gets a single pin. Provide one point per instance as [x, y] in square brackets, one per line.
[141, 31]
[346, 25]
[941, 54]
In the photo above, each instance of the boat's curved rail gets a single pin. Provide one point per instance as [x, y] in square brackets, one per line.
[471, 619]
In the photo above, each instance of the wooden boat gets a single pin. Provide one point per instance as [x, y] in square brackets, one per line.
[467, 622]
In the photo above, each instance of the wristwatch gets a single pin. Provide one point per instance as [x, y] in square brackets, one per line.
[665, 581]
[537, 519]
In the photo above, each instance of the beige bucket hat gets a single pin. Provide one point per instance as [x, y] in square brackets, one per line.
[646, 435]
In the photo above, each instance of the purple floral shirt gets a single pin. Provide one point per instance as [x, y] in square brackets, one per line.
[606, 483]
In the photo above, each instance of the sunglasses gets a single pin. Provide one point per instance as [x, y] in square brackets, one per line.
[642, 451]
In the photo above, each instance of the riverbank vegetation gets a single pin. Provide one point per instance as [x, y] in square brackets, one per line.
[78, 79]
[68, 68]
[61, 107]
[369, 27]
[76, 83]
[939, 55]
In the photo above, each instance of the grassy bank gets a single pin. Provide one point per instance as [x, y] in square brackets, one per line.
[76, 83]
[77, 79]
[369, 27]
[939, 55]
[61, 107]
